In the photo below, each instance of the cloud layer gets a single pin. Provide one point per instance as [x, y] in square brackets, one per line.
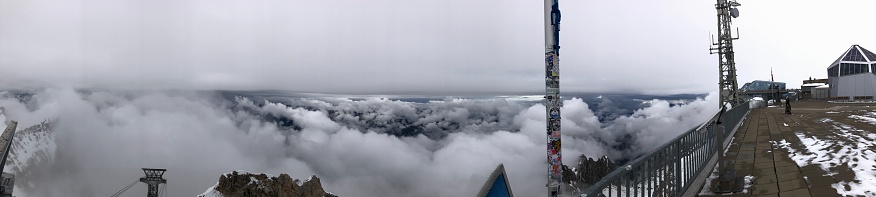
[388, 47]
[355, 146]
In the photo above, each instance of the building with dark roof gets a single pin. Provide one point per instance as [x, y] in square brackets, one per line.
[852, 77]
[768, 90]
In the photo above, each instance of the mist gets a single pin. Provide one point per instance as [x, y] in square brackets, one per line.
[104, 138]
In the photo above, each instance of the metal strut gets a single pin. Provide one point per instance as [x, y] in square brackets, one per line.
[727, 83]
[126, 188]
[153, 178]
[552, 95]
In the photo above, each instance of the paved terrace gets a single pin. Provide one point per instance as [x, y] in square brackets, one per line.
[823, 149]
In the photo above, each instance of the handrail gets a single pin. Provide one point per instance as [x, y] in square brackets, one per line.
[670, 169]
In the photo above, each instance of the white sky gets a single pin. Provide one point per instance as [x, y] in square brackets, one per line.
[429, 46]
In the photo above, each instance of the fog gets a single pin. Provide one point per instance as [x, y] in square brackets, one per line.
[104, 138]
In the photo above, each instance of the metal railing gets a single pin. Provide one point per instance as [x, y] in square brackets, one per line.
[670, 170]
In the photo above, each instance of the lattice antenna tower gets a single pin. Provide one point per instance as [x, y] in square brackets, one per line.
[153, 178]
[727, 84]
[552, 95]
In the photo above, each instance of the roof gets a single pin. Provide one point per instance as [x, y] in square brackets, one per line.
[497, 185]
[856, 53]
[764, 81]
[813, 84]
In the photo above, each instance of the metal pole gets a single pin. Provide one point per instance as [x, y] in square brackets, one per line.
[719, 129]
[552, 95]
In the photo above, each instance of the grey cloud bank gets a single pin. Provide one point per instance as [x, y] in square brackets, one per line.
[357, 47]
[103, 138]
[396, 47]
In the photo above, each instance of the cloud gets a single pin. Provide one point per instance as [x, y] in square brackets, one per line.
[462, 47]
[359, 147]
[104, 139]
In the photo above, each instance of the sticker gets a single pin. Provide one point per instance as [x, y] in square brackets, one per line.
[553, 182]
[555, 112]
[555, 102]
[554, 125]
[555, 144]
[554, 83]
[553, 91]
[555, 134]
[555, 170]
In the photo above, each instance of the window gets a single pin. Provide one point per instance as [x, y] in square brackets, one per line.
[854, 55]
[851, 69]
[844, 69]
[834, 71]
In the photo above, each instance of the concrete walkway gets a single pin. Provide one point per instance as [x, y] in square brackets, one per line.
[762, 148]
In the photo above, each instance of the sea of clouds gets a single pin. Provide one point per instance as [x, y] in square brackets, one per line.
[358, 147]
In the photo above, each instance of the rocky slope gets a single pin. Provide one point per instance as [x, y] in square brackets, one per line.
[261, 185]
[586, 172]
[32, 153]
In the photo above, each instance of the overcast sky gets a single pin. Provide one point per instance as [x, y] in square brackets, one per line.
[403, 46]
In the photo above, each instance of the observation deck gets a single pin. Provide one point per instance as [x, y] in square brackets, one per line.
[822, 149]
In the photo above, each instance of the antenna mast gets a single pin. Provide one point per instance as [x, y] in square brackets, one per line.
[552, 94]
[724, 48]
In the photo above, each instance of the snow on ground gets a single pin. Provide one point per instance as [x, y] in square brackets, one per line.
[849, 146]
[748, 180]
[707, 188]
[868, 118]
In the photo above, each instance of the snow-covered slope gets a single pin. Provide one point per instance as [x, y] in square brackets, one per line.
[32, 148]
[2, 119]
[211, 192]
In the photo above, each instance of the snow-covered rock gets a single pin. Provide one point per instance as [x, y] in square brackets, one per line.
[248, 184]
[33, 150]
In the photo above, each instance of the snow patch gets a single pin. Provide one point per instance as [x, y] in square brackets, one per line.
[848, 148]
[707, 188]
[868, 118]
[748, 180]
[211, 192]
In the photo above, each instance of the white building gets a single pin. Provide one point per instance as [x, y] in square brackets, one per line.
[852, 77]
[821, 92]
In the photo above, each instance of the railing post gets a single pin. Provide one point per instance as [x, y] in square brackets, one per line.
[678, 168]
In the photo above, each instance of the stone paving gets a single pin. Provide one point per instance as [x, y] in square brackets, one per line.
[775, 172]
